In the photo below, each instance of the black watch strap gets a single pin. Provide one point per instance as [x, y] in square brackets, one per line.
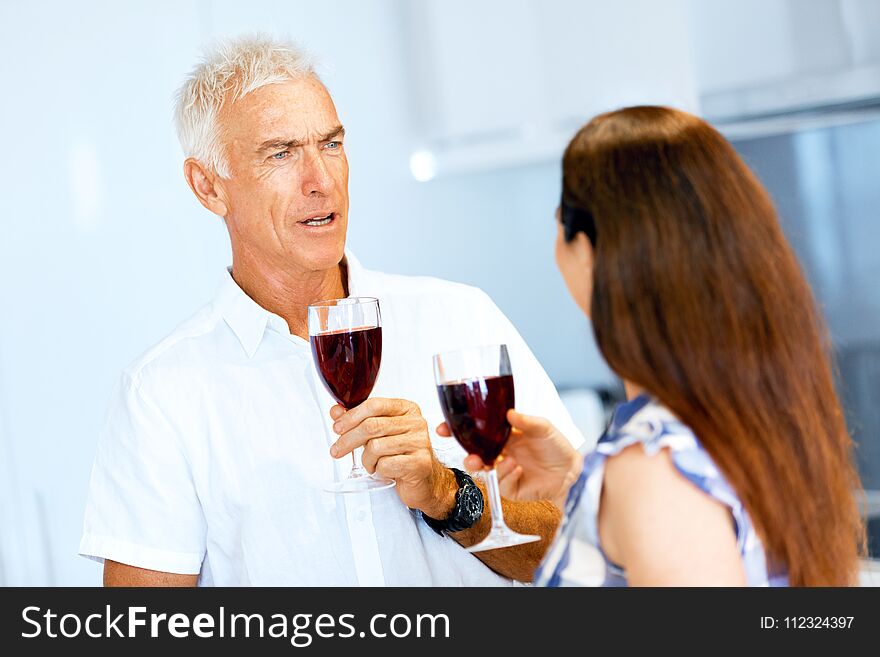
[468, 507]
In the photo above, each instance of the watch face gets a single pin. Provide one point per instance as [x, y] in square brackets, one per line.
[468, 507]
[470, 504]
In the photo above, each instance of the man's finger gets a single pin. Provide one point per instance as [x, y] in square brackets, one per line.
[377, 448]
[393, 467]
[371, 427]
[337, 412]
[373, 407]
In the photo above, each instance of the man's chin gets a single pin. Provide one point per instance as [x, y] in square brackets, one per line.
[324, 258]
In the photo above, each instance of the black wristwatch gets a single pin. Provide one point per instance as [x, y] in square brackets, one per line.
[468, 507]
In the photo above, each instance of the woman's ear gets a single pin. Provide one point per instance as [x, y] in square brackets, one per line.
[575, 262]
[583, 249]
[204, 184]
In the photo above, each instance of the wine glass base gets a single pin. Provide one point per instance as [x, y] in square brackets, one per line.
[367, 484]
[501, 538]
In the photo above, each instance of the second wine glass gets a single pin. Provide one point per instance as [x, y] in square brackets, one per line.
[475, 386]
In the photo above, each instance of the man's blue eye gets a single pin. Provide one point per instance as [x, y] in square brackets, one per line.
[334, 144]
[281, 155]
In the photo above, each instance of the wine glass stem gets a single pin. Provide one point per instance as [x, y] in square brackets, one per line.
[495, 501]
[357, 470]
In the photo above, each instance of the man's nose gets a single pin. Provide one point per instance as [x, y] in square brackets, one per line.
[316, 177]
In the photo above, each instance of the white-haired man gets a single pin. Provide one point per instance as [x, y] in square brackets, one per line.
[211, 464]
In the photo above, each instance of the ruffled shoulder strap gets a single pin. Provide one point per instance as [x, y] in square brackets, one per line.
[646, 421]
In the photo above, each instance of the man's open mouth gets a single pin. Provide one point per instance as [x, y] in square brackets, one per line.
[319, 221]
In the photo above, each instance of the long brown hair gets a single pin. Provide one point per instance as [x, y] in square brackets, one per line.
[699, 299]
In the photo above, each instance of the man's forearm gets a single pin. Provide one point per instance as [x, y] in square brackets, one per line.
[120, 574]
[518, 562]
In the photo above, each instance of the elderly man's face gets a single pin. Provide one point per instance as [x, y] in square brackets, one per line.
[287, 198]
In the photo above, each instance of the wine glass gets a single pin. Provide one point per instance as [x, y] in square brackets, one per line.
[346, 339]
[475, 386]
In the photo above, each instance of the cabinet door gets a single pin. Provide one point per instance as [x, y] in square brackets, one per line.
[758, 58]
[503, 81]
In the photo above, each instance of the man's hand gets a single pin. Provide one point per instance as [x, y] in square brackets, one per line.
[397, 445]
[538, 461]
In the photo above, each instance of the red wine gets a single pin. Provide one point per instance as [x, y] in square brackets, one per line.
[348, 362]
[476, 412]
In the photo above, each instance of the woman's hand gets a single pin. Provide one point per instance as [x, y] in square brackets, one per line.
[538, 462]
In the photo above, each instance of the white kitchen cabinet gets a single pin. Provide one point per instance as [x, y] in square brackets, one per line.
[503, 83]
[508, 82]
[758, 58]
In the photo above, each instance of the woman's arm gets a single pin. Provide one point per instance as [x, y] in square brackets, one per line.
[663, 530]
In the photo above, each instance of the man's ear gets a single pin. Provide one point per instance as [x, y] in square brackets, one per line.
[203, 183]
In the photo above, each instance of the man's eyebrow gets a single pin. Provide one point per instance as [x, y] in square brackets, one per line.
[338, 131]
[279, 143]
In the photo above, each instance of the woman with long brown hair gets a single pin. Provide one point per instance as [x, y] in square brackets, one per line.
[730, 463]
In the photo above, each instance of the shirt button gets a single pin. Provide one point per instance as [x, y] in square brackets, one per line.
[360, 516]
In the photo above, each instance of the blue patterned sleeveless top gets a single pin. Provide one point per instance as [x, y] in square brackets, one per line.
[644, 420]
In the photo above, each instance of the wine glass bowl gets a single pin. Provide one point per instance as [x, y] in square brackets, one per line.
[476, 412]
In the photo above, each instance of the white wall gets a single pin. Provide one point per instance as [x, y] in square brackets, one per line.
[101, 246]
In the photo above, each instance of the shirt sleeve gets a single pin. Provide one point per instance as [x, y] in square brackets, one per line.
[142, 507]
[534, 391]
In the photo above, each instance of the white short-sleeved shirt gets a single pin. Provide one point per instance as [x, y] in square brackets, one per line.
[215, 450]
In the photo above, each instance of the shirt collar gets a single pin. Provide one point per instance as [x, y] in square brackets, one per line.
[249, 320]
